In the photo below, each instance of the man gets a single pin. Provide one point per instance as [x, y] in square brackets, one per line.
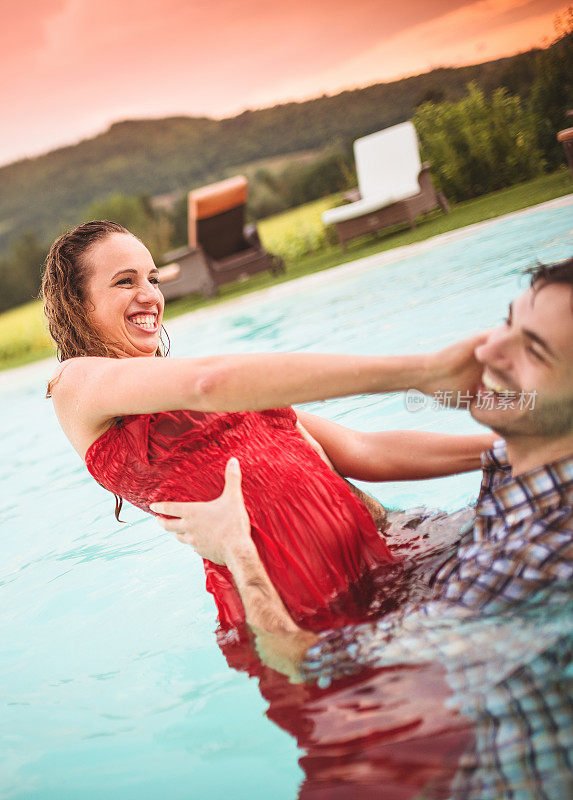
[521, 539]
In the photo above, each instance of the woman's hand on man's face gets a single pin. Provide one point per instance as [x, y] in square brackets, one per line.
[455, 368]
[215, 529]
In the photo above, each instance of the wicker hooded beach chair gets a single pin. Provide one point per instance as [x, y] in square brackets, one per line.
[221, 247]
[393, 185]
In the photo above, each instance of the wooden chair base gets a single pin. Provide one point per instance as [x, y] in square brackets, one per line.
[403, 211]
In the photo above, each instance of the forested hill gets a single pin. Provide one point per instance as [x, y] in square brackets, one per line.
[155, 156]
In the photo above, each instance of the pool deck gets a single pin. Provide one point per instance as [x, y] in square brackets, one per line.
[44, 368]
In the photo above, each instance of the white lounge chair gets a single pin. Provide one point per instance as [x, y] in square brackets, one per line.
[394, 186]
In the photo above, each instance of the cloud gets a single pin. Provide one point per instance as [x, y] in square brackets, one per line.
[23, 27]
[487, 29]
[75, 65]
[73, 30]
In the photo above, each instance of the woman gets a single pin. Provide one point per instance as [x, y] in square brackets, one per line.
[152, 429]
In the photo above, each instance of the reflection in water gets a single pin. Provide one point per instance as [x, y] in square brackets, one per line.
[383, 733]
[509, 677]
[524, 727]
[463, 707]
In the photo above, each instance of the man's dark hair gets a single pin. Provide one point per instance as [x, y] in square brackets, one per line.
[543, 274]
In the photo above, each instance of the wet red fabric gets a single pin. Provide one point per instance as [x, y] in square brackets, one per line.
[315, 538]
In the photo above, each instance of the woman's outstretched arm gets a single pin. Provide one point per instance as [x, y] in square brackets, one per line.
[395, 455]
[96, 390]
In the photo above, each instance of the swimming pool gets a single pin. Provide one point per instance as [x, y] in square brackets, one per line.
[113, 685]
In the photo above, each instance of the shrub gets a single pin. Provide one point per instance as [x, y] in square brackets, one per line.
[264, 201]
[297, 232]
[23, 332]
[552, 94]
[21, 271]
[300, 182]
[478, 144]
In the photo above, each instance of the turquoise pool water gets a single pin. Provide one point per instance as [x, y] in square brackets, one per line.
[112, 682]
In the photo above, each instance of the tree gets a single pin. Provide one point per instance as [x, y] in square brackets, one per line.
[552, 91]
[478, 144]
[21, 271]
[135, 213]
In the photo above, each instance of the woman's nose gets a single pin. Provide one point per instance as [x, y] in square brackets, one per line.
[148, 293]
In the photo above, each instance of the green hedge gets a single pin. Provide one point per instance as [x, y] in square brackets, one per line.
[478, 144]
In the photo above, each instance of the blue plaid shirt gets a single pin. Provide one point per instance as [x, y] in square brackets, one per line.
[509, 674]
[520, 541]
[519, 545]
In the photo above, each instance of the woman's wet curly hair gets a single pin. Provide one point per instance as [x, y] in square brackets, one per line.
[64, 292]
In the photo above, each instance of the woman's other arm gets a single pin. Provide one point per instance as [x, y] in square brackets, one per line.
[395, 455]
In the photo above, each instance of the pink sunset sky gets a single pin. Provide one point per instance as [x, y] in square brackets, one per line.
[69, 68]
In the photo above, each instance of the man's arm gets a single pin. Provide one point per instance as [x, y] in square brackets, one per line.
[220, 531]
[279, 641]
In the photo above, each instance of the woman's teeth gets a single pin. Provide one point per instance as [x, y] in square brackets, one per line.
[146, 321]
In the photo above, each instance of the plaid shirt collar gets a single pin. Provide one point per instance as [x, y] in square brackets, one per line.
[511, 500]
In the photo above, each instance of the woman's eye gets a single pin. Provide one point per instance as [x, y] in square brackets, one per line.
[129, 281]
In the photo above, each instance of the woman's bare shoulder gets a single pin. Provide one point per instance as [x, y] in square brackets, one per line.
[66, 387]
[70, 374]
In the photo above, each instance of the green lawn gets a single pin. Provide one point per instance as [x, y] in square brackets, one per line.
[299, 236]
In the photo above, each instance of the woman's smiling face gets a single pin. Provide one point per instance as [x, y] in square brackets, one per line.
[124, 302]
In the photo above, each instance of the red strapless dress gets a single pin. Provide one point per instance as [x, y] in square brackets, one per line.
[315, 538]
